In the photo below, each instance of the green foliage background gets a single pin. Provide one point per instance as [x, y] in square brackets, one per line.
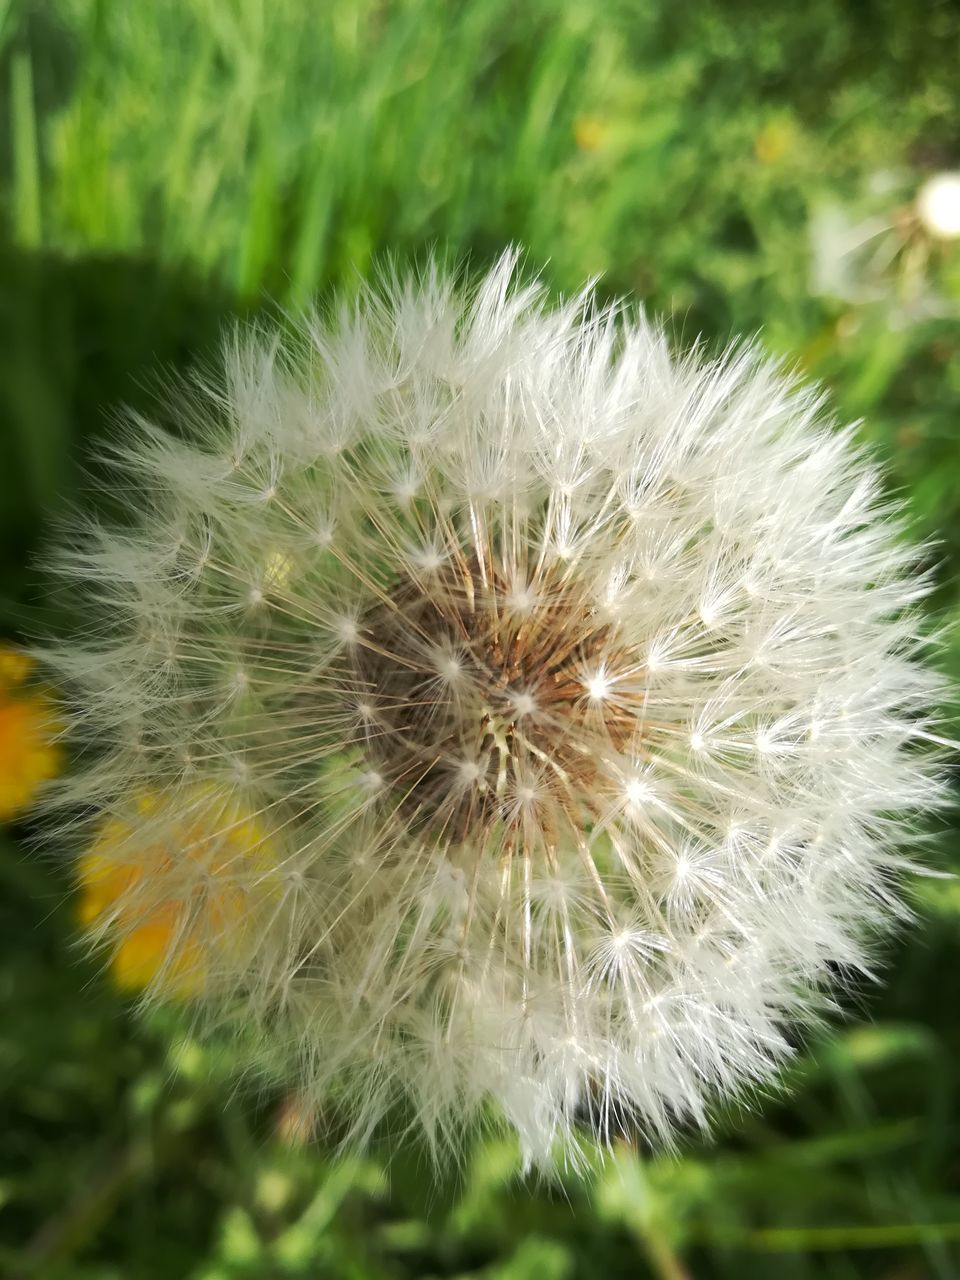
[165, 163]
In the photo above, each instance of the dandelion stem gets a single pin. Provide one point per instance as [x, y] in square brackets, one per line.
[660, 1253]
[643, 1216]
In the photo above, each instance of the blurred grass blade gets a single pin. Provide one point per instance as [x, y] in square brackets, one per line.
[23, 146]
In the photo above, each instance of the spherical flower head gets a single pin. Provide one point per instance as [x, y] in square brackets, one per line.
[561, 699]
[29, 731]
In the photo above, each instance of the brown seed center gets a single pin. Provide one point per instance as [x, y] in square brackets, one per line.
[477, 702]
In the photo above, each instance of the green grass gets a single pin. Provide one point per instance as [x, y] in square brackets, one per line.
[163, 165]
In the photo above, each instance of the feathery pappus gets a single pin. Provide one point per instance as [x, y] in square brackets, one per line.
[486, 708]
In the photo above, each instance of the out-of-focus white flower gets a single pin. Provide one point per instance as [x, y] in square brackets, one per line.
[548, 704]
[885, 260]
[938, 206]
[849, 258]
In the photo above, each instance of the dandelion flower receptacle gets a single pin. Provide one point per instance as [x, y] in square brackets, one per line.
[493, 710]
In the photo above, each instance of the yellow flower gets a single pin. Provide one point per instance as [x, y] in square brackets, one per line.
[589, 133]
[29, 753]
[773, 141]
[176, 886]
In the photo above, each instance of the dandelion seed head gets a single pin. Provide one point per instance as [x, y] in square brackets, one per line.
[503, 690]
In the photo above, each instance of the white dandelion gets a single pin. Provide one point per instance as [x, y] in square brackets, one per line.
[485, 709]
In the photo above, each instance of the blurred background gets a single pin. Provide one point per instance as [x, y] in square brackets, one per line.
[742, 167]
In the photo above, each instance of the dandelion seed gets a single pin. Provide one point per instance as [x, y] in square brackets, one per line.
[520, 789]
[598, 687]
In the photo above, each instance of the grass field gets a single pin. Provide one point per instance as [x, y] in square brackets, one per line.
[740, 168]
